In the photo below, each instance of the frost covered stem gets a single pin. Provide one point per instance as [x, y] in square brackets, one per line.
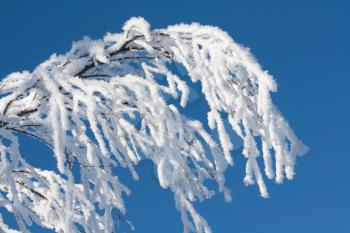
[110, 103]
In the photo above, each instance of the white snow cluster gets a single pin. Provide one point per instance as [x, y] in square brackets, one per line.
[102, 106]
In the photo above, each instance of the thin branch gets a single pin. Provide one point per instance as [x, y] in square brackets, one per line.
[31, 189]
[21, 171]
[95, 75]
[27, 111]
[93, 64]
[137, 58]
[123, 47]
[31, 135]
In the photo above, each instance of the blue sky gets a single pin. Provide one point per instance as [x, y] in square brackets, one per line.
[303, 44]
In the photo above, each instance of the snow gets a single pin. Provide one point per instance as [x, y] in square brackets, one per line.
[99, 106]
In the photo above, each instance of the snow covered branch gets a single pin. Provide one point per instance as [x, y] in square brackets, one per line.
[113, 102]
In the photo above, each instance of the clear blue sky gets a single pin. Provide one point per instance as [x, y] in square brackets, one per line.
[305, 45]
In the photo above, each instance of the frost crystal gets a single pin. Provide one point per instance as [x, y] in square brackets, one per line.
[113, 102]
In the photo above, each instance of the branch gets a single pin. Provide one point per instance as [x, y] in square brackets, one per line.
[123, 48]
[93, 64]
[27, 111]
[31, 189]
[31, 135]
